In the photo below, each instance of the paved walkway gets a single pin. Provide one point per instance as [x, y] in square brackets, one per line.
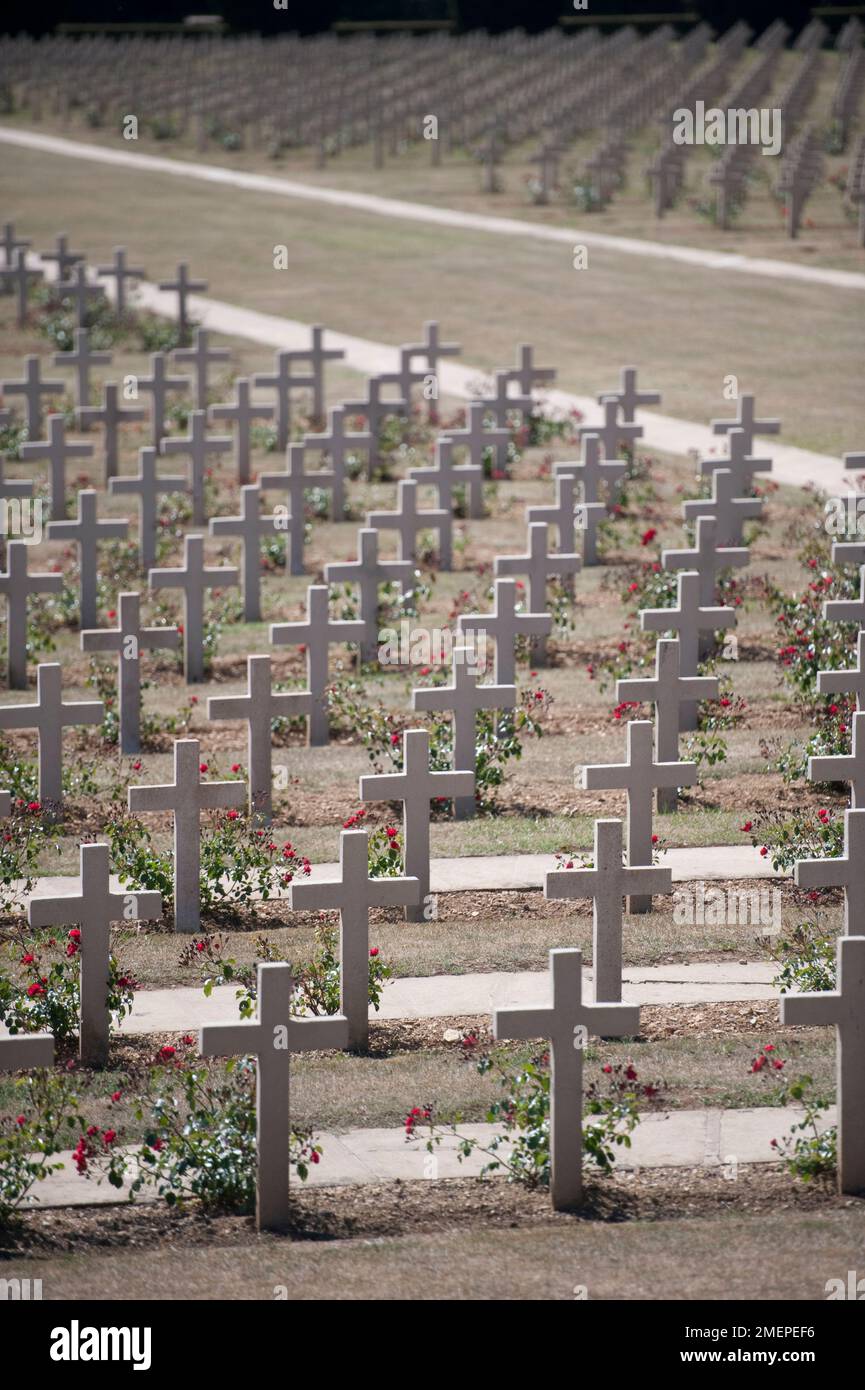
[395, 208]
[675, 1139]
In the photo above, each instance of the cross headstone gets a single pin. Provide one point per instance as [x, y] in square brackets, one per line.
[159, 384]
[408, 523]
[689, 620]
[432, 349]
[416, 787]
[93, 909]
[295, 482]
[707, 558]
[477, 437]
[19, 278]
[353, 893]
[193, 577]
[318, 354]
[613, 432]
[282, 380]
[747, 421]
[120, 272]
[186, 797]
[200, 357]
[628, 396]
[33, 388]
[338, 445]
[566, 1021]
[505, 624]
[183, 287]
[258, 708]
[729, 511]
[843, 610]
[58, 451]
[444, 476]
[538, 565]
[17, 585]
[852, 681]
[526, 374]
[62, 255]
[86, 531]
[375, 407]
[607, 882]
[112, 416]
[841, 871]
[669, 691]
[845, 767]
[368, 571]
[82, 358]
[199, 446]
[49, 716]
[250, 526]
[128, 639]
[147, 486]
[563, 514]
[845, 1008]
[740, 462]
[80, 291]
[242, 411]
[25, 1053]
[271, 1039]
[639, 775]
[463, 698]
[10, 244]
[592, 471]
[316, 635]
[499, 406]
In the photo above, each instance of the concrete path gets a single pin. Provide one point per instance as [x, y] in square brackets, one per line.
[395, 208]
[441, 996]
[663, 1139]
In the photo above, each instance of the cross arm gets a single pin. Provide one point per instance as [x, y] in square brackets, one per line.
[394, 892]
[216, 795]
[85, 712]
[325, 895]
[230, 1039]
[35, 1050]
[321, 1034]
[157, 637]
[821, 873]
[56, 912]
[838, 768]
[522, 1023]
[377, 786]
[158, 798]
[811, 1009]
[148, 905]
[611, 1020]
[101, 639]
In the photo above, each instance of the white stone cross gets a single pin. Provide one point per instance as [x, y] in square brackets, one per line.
[444, 476]
[591, 471]
[82, 358]
[148, 487]
[567, 1021]
[186, 797]
[272, 1038]
[375, 408]
[404, 378]
[628, 396]
[193, 577]
[639, 775]
[316, 635]
[408, 522]
[112, 416]
[128, 639]
[506, 624]
[22, 1053]
[49, 716]
[250, 526]
[62, 255]
[463, 698]
[498, 406]
[836, 610]
[607, 882]
[93, 908]
[729, 511]
[538, 565]
[563, 514]
[707, 558]
[258, 708]
[689, 619]
[416, 787]
[841, 871]
[432, 349]
[747, 421]
[740, 462]
[242, 411]
[32, 387]
[17, 585]
[613, 432]
[200, 357]
[294, 481]
[317, 355]
[86, 531]
[58, 451]
[81, 292]
[199, 445]
[338, 445]
[842, 682]
[670, 692]
[120, 272]
[477, 437]
[19, 278]
[183, 287]
[526, 374]
[159, 384]
[368, 571]
[847, 767]
[282, 380]
[353, 893]
[845, 1008]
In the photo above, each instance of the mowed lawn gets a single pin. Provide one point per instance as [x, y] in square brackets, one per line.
[797, 346]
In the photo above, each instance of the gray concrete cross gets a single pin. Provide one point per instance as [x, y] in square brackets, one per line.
[671, 693]
[62, 255]
[93, 908]
[199, 445]
[613, 432]
[607, 882]
[316, 636]
[193, 577]
[258, 708]
[271, 1039]
[82, 358]
[128, 639]
[463, 698]
[747, 421]
[368, 571]
[58, 452]
[32, 387]
[375, 408]
[86, 531]
[707, 558]
[183, 287]
[538, 565]
[283, 380]
[566, 1021]
[159, 384]
[432, 349]
[352, 894]
[628, 396]
[506, 624]
[295, 482]
[242, 411]
[843, 1007]
[592, 471]
[740, 462]
[639, 775]
[416, 787]
[689, 619]
[112, 416]
[18, 585]
[9, 243]
[250, 526]
[200, 357]
[186, 797]
[147, 486]
[729, 510]
[526, 374]
[49, 716]
[498, 406]
[19, 279]
[338, 445]
[564, 514]
[841, 871]
[476, 437]
[408, 523]
[852, 681]
[120, 272]
[444, 475]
